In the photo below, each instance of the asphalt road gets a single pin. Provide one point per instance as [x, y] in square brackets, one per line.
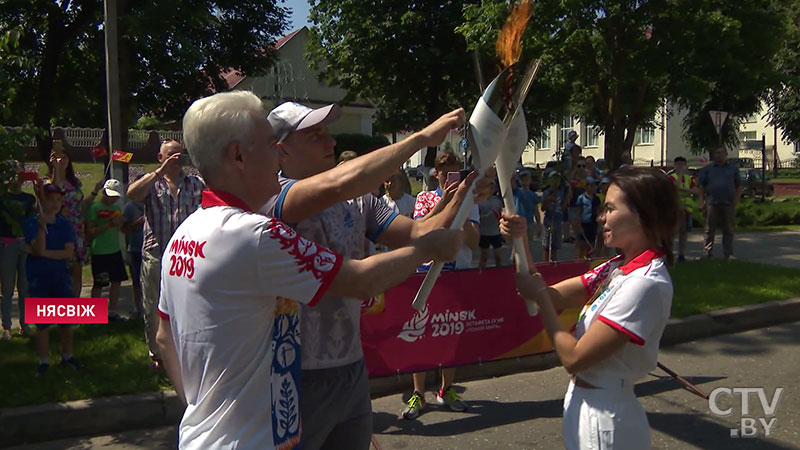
[523, 411]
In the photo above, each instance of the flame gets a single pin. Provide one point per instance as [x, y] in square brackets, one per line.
[509, 42]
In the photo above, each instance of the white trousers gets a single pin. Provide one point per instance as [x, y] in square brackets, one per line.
[604, 419]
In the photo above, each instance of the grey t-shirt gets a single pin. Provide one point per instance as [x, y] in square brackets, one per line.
[720, 183]
[331, 330]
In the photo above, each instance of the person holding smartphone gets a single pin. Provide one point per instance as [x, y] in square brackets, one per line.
[446, 171]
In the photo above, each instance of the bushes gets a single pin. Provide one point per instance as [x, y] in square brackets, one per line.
[754, 213]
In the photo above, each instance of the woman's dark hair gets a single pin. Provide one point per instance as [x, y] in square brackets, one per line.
[652, 196]
[69, 173]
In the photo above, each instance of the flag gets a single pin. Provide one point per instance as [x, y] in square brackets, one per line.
[121, 156]
[98, 151]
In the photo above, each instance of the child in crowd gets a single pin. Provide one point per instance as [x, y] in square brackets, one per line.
[103, 226]
[51, 244]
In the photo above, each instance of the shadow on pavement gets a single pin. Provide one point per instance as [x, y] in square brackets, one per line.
[701, 432]
[482, 414]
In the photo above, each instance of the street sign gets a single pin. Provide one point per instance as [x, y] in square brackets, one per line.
[718, 117]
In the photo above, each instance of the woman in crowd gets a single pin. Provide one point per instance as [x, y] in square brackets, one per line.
[626, 304]
[62, 174]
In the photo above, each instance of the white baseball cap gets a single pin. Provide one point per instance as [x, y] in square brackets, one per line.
[113, 188]
[292, 116]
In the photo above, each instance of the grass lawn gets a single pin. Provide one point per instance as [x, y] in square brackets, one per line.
[786, 179]
[707, 285]
[114, 357]
[116, 362]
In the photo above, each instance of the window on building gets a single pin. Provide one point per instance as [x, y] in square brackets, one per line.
[592, 136]
[567, 125]
[748, 136]
[544, 139]
[647, 135]
[752, 118]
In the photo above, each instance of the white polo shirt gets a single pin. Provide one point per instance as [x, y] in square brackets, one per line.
[634, 299]
[227, 275]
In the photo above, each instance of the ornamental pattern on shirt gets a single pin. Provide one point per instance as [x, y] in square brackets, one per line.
[593, 278]
[285, 375]
[426, 201]
[308, 256]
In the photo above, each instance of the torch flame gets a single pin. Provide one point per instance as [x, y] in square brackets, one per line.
[509, 42]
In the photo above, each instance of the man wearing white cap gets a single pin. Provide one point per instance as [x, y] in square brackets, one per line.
[229, 333]
[335, 209]
[102, 227]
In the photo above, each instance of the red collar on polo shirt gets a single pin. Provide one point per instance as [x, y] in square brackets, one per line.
[213, 198]
[642, 260]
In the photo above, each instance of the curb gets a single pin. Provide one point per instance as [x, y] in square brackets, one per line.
[29, 424]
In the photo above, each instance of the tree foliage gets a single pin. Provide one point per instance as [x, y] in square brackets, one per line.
[617, 61]
[169, 53]
[785, 102]
[405, 57]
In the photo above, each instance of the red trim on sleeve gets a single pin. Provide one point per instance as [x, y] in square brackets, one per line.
[162, 314]
[634, 338]
[327, 279]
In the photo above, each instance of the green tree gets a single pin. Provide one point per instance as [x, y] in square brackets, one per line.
[403, 56]
[617, 61]
[169, 53]
[785, 101]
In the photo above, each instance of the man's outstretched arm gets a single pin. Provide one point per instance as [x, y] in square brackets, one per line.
[309, 196]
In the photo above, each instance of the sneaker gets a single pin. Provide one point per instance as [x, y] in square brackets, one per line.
[6, 336]
[114, 317]
[415, 404]
[156, 365]
[450, 398]
[42, 369]
[71, 361]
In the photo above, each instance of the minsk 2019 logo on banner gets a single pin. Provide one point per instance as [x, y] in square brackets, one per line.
[446, 323]
[414, 328]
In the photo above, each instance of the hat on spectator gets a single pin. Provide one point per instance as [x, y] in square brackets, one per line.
[112, 188]
[292, 116]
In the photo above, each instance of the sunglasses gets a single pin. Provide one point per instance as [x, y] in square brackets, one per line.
[581, 166]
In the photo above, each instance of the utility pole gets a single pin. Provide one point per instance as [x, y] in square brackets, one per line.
[112, 91]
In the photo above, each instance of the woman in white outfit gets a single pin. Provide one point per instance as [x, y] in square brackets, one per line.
[625, 307]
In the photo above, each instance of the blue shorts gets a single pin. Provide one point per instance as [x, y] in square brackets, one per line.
[54, 285]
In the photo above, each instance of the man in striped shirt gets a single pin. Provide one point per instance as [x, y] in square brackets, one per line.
[169, 196]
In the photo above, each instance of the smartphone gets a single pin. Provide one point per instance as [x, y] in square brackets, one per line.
[452, 177]
[58, 147]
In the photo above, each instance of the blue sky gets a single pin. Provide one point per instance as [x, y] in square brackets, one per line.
[299, 16]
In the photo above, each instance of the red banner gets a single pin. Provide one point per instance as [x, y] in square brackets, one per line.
[472, 316]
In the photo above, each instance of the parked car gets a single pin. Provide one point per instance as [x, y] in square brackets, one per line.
[752, 185]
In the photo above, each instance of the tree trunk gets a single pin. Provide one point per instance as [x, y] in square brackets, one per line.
[43, 109]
